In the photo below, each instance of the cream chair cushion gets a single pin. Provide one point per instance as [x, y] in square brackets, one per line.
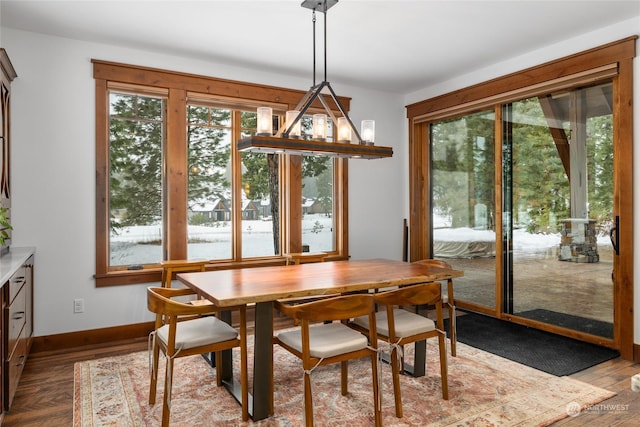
[406, 323]
[326, 340]
[197, 332]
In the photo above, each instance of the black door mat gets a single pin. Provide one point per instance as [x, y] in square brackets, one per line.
[577, 323]
[541, 350]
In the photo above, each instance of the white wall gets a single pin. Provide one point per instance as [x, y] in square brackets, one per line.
[587, 41]
[53, 173]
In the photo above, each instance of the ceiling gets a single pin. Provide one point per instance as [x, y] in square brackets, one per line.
[395, 45]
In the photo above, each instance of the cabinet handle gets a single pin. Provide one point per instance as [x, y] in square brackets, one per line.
[18, 315]
[22, 360]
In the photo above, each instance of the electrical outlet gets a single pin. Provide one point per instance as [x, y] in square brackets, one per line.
[78, 305]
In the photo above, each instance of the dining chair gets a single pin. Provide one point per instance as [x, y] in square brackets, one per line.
[304, 258]
[199, 333]
[398, 326]
[447, 299]
[317, 343]
[170, 267]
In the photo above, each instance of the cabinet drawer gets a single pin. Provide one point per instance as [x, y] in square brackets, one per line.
[14, 368]
[16, 282]
[16, 320]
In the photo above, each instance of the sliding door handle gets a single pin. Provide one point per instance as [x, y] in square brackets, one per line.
[615, 230]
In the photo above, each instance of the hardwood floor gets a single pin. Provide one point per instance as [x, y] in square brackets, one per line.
[45, 392]
[622, 409]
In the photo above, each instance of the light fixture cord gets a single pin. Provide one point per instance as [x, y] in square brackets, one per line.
[313, 19]
[325, 41]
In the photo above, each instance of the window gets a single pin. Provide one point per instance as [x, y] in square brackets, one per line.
[170, 183]
[317, 197]
[209, 196]
[136, 134]
[317, 209]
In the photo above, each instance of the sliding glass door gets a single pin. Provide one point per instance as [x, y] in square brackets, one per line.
[556, 202]
[558, 192]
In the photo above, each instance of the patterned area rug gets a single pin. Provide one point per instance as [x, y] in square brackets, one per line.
[484, 389]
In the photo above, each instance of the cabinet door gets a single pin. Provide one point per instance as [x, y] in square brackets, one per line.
[2, 350]
[16, 319]
[7, 74]
[28, 275]
[4, 151]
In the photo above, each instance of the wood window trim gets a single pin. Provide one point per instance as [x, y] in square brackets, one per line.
[605, 55]
[483, 95]
[178, 87]
[232, 89]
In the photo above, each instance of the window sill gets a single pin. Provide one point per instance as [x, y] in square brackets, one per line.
[154, 274]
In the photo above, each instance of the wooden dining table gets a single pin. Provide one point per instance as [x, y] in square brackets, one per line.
[263, 285]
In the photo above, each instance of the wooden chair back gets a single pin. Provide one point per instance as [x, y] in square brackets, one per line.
[305, 257]
[160, 302]
[425, 293]
[334, 308]
[171, 267]
[447, 299]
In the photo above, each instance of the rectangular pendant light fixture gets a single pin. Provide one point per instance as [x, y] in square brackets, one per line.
[288, 139]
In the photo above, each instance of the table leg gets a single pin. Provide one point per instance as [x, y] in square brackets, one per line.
[227, 355]
[420, 358]
[263, 361]
[452, 317]
[261, 399]
[210, 359]
[419, 361]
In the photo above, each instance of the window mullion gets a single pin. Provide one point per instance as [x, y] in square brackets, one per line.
[175, 177]
[236, 188]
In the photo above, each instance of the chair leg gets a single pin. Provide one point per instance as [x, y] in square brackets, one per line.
[344, 375]
[376, 391]
[308, 401]
[395, 371]
[166, 403]
[218, 361]
[244, 377]
[442, 348]
[452, 328]
[154, 375]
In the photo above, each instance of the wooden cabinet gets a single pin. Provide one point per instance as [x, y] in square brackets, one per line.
[16, 279]
[16, 324]
[7, 74]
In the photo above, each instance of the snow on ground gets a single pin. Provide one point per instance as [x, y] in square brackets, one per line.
[522, 241]
[139, 245]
